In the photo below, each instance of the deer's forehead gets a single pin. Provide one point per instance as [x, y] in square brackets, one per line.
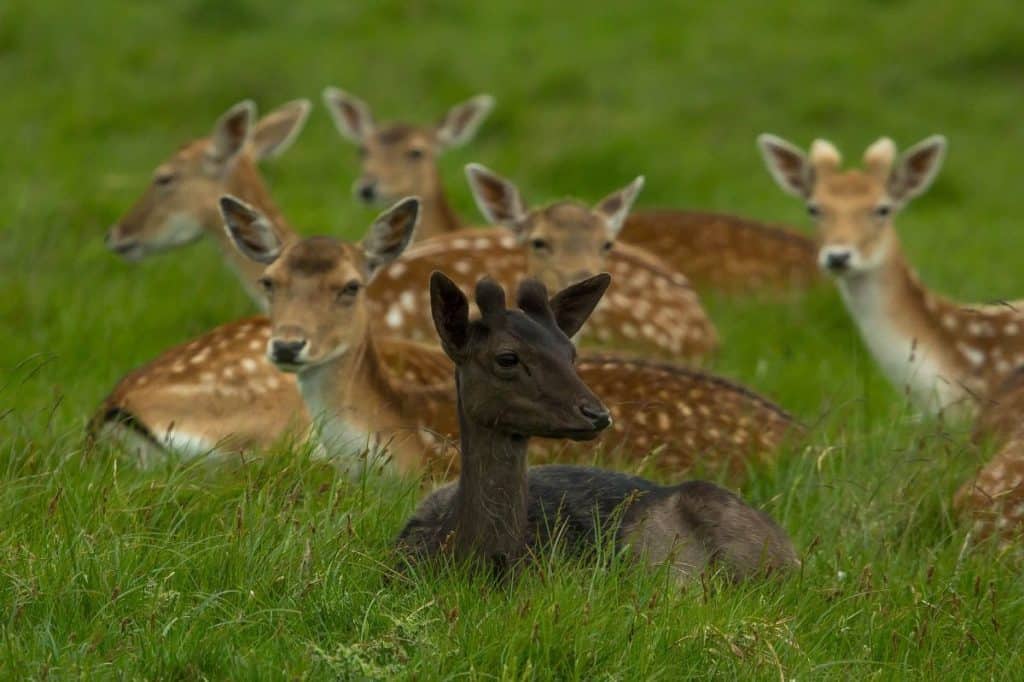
[567, 218]
[849, 189]
[320, 258]
[190, 152]
[520, 330]
[400, 136]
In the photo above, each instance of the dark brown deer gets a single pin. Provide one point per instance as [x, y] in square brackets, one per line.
[320, 310]
[516, 380]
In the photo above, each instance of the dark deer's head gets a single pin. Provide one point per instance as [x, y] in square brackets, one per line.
[515, 368]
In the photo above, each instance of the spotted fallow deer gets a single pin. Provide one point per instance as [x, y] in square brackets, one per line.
[948, 355]
[714, 250]
[993, 499]
[180, 204]
[400, 160]
[516, 380]
[650, 309]
[321, 330]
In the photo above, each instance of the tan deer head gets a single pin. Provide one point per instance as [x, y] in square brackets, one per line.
[854, 209]
[566, 242]
[316, 286]
[400, 160]
[180, 204]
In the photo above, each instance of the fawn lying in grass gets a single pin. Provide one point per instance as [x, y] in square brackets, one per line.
[516, 379]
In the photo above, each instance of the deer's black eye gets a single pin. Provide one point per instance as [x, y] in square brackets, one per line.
[813, 210]
[883, 211]
[267, 285]
[506, 360]
[164, 179]
[607, 246]
[415, 154]
[540, 245]
[349, 290]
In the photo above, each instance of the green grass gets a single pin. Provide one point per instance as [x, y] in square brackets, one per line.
[279, 567]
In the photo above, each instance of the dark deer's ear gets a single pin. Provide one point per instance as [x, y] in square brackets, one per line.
[250, 230]
[351, 115]
[390, 233]
[275, 132]
[450, 310]
[573, 305]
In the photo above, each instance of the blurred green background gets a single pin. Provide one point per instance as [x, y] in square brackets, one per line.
[97, 94]
[589, 95]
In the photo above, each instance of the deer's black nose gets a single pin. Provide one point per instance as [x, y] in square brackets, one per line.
[367, 192]
[837, 261]
[598, 416]
[286, 351]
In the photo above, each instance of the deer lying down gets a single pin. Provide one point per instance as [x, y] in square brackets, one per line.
[180, 204]
[993, 500]
[947, 354]
[716, 251]
[321, 331]
[651, 309]
[516, 380]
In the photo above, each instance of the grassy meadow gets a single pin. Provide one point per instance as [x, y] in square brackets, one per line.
[279, 567]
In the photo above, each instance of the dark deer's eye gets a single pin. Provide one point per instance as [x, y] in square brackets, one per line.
[883, 211]
[267, 285]
[164, 179]
[415, 154]
[607, 246]
[813, 210]
[507, 360]
[540, 245]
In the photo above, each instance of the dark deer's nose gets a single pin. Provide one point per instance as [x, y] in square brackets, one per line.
[598, 416]
[286, 351]
[837, 261]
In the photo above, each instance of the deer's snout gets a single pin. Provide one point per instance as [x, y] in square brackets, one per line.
[365, 190]
[836, 259]
[598, 415]
[116, 242]
[287, 351]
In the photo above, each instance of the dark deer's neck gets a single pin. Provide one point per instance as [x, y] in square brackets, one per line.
[490, 501]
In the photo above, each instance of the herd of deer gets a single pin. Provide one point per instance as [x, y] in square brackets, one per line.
[348, 354]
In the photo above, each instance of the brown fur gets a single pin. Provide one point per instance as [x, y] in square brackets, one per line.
[725, 252]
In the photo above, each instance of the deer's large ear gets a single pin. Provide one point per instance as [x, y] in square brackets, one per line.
[788, 165]
[251, 231]
[450, 310]
[351, 115]
[573, 305]
[231, 132]
[917, 169]
[497, 198]
[274, 133]
[460, 124]
[616, 206]
[390, 233]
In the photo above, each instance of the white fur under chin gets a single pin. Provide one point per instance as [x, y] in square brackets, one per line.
[338, 440]
[905, 361]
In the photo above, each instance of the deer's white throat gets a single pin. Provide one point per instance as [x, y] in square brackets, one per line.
[336, 426]
[906, 355]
